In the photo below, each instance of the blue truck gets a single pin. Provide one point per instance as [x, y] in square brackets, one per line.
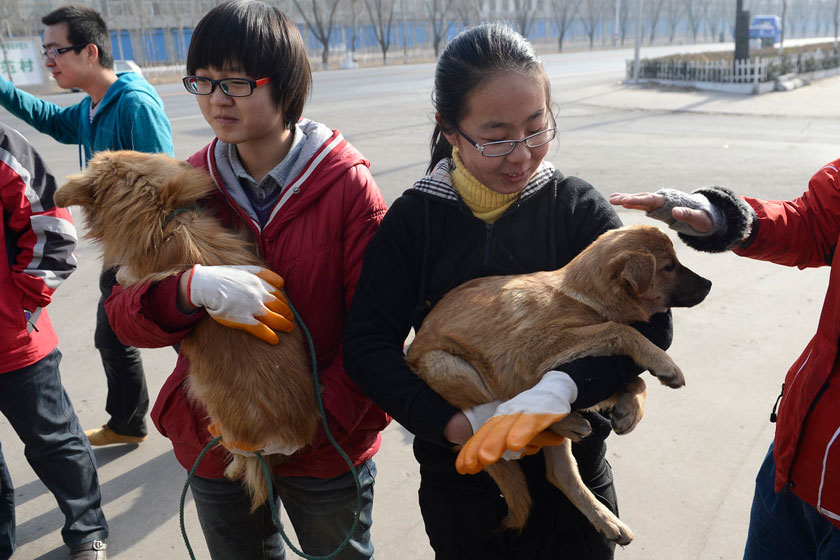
[766, 28]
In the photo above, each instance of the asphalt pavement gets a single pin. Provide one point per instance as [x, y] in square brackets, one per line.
[684, 476]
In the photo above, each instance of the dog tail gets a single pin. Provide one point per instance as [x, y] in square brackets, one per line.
[511, 481]
[254, 478]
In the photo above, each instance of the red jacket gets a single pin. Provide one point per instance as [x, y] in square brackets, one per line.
[315, 242]
[39, 239]
[804, 233]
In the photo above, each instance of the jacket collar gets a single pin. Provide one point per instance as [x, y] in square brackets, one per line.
[325, 156]
[438, 183]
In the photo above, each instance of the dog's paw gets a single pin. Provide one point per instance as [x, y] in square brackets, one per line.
[670, 376]
[618, 532]
[624, 419]
[574, 426]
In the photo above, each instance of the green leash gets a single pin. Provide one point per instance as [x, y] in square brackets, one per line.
[271, 504]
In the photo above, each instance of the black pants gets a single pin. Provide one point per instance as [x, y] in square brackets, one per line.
[462, 512]
[128, 398]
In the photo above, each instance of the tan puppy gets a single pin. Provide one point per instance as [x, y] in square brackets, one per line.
[492, 338]
[144, 210]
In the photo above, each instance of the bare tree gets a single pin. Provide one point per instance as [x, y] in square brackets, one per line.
[438, 11]
[591, 18]
[9, 12]
[319, 20]
[836, 22]
[563, 12]
[715, 17]
[694, 16]
[654, 8]
[468, 11]
[381, 14]
[354, 24]
[624, 16]
[524, 12]
[672, 16]
[784, 25]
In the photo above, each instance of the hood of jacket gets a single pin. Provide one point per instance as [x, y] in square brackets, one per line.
[324, 157]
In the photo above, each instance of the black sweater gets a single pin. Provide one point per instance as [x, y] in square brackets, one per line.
[427, 245]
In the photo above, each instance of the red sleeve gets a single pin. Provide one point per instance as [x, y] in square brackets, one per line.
[147, 315]
[802, 232]
[39, 236]
[366, 208]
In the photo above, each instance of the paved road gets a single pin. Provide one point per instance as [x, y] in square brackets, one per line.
[685, 475]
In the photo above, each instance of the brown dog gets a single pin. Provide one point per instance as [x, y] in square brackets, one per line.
[145, 212]
[492, 338]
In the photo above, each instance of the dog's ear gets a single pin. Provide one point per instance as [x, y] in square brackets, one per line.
[184, 185]
[77, 191]
[639, 270]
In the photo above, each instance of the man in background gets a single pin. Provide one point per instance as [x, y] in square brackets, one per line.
[120, 112]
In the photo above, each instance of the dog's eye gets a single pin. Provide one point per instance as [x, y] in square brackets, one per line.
[670, 266]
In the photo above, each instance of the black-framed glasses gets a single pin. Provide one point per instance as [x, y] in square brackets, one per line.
[232, 87]
[54, 53]
[504, 147]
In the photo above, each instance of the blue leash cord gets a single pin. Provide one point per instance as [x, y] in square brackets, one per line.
[271, 503]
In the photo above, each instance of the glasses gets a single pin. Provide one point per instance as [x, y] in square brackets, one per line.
[232, 87]
[54, 53]
[504, 147]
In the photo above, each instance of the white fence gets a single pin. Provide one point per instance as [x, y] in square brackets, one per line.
[755, 70]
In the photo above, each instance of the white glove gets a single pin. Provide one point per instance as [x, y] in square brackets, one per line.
[479, 415]
[244, 297]
[519, 424]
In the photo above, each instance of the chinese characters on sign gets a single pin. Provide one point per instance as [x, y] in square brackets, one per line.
[21, 63]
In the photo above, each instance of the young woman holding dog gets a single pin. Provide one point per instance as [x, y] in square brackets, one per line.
[490, 205]
[309, 200]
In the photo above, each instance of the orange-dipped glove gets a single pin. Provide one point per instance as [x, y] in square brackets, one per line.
[242, 297]
[520, 425]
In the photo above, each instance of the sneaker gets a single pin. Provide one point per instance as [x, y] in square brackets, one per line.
[91, 550]
[107, 436]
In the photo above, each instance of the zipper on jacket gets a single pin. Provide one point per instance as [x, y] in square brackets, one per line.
[773, 415]
[788, 482]
[488, 238]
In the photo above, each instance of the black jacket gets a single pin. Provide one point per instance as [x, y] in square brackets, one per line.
[428, 243]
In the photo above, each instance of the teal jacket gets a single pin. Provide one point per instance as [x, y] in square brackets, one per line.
[130, 117]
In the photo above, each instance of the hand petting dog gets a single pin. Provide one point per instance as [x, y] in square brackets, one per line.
[692, 214]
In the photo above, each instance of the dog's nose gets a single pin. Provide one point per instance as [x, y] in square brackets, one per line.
[690, 289]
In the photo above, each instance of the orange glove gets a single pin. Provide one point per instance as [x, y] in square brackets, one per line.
[520, 424]
[244, 297]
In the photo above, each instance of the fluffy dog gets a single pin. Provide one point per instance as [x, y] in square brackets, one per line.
[145, 212]
[544, 319]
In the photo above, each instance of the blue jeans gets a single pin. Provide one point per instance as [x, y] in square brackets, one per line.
[783, 527]
[37, 407]
[321, 512]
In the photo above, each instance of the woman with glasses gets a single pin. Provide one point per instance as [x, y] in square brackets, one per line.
[311, 204]
[490, 205]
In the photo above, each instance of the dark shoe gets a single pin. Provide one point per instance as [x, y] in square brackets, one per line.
[91, 550]
[107, 436]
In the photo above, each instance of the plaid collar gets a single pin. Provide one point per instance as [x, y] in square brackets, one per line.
[439, 182]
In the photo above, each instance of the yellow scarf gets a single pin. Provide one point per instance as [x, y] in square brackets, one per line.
[485, 203]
